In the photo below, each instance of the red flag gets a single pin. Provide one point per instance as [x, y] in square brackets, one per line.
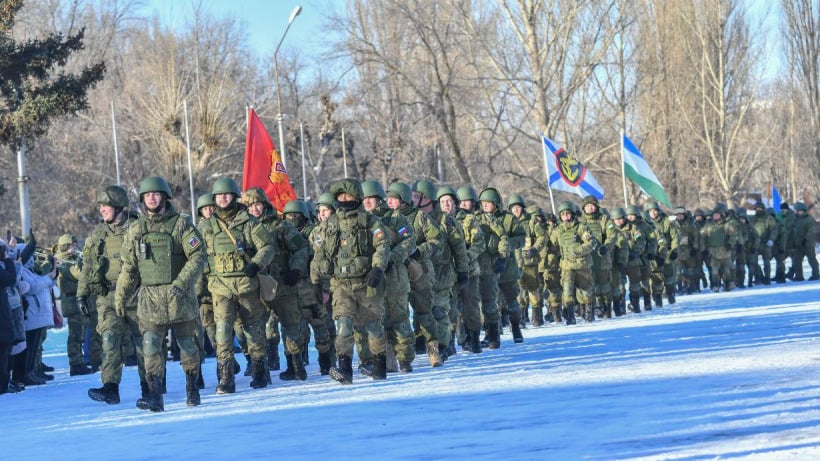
[263, 166]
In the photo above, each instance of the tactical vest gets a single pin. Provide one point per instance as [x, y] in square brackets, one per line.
[68, 284]
[354, 250]
[223, 255]
[161, 260]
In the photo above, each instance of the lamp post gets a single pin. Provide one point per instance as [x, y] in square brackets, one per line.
[280, 117]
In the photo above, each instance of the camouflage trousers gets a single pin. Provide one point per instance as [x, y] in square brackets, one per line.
[115, 332]
[552, 285]
[77, 326]
[509, 294]
[206, 316]
[285, 308]
[398, 331]
[763, 272]
[466, 304]
[355, 307]
[722, 270]
[576, 286]
[633, 276]
[248, 309]
[660, 277]
[421, 298]
[531, 292]
[441, 313]
[153, 340]
[601, 279]
[488, 288]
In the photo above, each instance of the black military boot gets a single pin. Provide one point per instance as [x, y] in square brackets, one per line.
[108, 393]
[525, 317]
[556, 314]
[475, 343]
[468, 341]
[619, 307]
[657, 298]
[380, 367]
[421, 345]
[634, 303]
[79, 370]
[344, 372]
[259, 371]
[405, 366]
[325, 362]
[248, 368]
[493, 337]
[537, 317]
[273, 355]
[142, 402]
[569, 314]
[515, 326]
[451, 347]
[289, 374]
[433, 354]
[606, 309]
[227, 380]
[299, 371]
[156, 403]
[670, 296]
[647, 302]
[192, 389]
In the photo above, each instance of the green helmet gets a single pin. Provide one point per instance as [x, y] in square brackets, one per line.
[425, 187]
[253, 195]
[65, 240]
[652, 205]
[326, 199]
[490, 194]
[633, 210]
[535, 210]
[204, 200]
[467, 193]
[679, 210]
[155, 184]
[226, 186]
[589, 199]
[741, 212]
[720, 208]
[296, 206]
[800, 206]
[400, 191]
[617, 213]
[348, 186]
[760, 206]
[446, 190]
[700, 212]
[516, 199]
[372, 188]
[566, 206]
[114, 196]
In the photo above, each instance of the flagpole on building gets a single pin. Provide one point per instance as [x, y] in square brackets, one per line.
[190, 164]
[547, 172]
[344, 153]
[623, 168]
[304, 174]
[116, 149]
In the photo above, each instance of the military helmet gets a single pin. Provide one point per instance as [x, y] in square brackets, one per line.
[516, 199]
[114, 196]
[535, 210]
[373, 188]
[759, 206]
[800, 206]
[617, 213]
[720, 208]
[652, 205]
[65, 240]
[551, 217]
[633, 210]
[490, 194]
[566, 206]
[296, 206]
[204, 200]
[589, 199]
[155, 184]
[700, 212]
[679, 210]
[467, 193]
[741, 212]
[226, 186]
[446, 190]
[425, 187]
[326, 199]
[348, 186]
[400, 191]
[256, 195]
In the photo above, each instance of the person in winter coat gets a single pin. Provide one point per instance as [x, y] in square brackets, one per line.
[8, 278]
[39, 318]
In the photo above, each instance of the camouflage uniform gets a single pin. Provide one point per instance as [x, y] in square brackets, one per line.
[699, 219]
[492, 262]
[720, 238]
[746, 250]
[238, 248]
[576, 244]
[782, 245]
[619, 251]
[101, 268]
[804, 243]
[69, 271]
[767, 230]
[163, 256]
[354, 253]
[662, 277]
[688, 251]
[603, 229]
[528, 258]
[648, 254]
[635, 247]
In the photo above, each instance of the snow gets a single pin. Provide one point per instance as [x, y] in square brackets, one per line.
[716, 376]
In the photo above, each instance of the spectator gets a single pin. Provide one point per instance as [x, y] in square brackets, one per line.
[8, 336]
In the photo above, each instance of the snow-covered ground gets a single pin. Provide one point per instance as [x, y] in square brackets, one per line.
[715, 376]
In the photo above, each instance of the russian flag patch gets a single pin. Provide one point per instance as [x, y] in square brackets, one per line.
[194, 242]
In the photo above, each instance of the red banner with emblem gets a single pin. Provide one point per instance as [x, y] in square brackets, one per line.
[263, 165]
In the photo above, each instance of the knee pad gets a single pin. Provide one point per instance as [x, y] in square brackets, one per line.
[110, 340]
[439, 313]
[151, 343]
[344, 326]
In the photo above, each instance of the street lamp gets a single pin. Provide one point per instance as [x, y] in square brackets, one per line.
[280, 117]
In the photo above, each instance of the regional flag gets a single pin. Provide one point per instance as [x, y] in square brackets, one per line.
[566, 174]
[638, 171]
[263, 165]
[776, 200]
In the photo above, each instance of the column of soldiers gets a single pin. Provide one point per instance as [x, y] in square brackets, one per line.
[390, 274]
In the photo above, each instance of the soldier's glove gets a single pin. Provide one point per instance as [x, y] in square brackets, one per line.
[290, 277]
[769, 243]
[120, 309]
[633, 255]
[673, 255]
[317, 292]
[500, 265]
[82, 305]
[739, 248]
[178, 292]
[252, 270]
[660, 260]
[603, 250]
[416, 254]
[587, 236]
[705, 255]
[462, 279]
[374, 277]
[531, 253]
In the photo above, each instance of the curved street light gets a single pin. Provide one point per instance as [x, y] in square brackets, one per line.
[280, 117]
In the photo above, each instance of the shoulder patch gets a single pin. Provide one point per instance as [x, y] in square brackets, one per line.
[194, 241]
[378, 233]
[403, 232]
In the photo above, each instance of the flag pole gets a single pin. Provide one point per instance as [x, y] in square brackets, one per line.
[116, 149]
[304, 175]
[547, 172]
[190, 164]
[344, 153]
[623, 168]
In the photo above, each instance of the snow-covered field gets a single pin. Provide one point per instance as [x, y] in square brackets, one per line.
[715, 376]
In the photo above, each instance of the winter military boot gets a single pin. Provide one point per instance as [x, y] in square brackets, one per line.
[588, 312]
[200, 381]
[493, 337]
[475, 343]
[344, 372]
[468, 341]
[670, 294]
[618, 307]
[451, 347]
[142, 402]
[606, 309]
[421, 345]
[442, 352]
[299, 371]
[155, 400]
[273, 355]
[537, 317]
[79, 370]
[192, 389]
[289, 374]
[556, 314]
[325, 362]
[647, 302]
[405, 366]
[390, 358]
[515, 326]
[433, 354]
[227, 381]
[569, 314]
[380, 367]
[108, 393]
[657, 298]
[248, 366]
[634, 303]
[259, 371]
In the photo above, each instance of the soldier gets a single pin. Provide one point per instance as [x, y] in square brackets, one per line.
[634, 245]
[576, 243]
[528, 258]
[325, 207]
[508, 277]
[619, 250]
[464, 304]
[701, 260]
[163, 256]
[603, 229]
[314, 313]
[781, 245]
[720, 238]
[688, 251]
[101, 268]
[69, 268]
[550, 269]
[238, 248]
[429, 242]
[746, 251]
[204, 209]
[354, 252]
[804, 243]
[662, 276]
[767, 231]
[648, 252]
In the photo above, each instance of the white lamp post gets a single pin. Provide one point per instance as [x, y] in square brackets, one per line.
[280, 117]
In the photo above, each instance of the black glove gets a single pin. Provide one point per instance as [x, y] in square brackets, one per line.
[317, 291]
[633, 255]
[290, 277]
[252, 270]
[660, 260]
[531, 253]
[374, 277]
[603, 250]
[2, 252]
[462, 278]
[178, 292]
[739, 248]
[82, 305]
[500, 265]
[416, 254]
[673, 255]
[705, 255]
